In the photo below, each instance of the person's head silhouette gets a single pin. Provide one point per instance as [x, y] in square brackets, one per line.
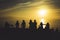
[30, 20]
[41, 24]
[17, 21]
[34, 20]
[47, 24]
[23, 20]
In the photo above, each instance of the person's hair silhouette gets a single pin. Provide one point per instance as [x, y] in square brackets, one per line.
[17, 24]
[23, 25]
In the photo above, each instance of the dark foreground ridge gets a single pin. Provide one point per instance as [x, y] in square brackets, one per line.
[32, 33]
[20, 34]
[27, 34]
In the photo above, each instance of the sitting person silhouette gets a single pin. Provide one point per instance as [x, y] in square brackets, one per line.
[47, 26]
[23, 25]
[17, 24]
[41, 26]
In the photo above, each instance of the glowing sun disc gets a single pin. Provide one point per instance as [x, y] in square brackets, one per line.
[42, 12]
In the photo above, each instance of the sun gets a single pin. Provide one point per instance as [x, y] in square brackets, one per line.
[42, 12]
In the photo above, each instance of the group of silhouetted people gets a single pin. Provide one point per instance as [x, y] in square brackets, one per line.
[32, 25]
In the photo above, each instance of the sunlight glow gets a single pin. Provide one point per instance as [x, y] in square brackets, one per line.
[43, 21]
[42, 12]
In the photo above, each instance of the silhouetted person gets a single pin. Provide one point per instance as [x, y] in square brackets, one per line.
[35, 24]
[7, 25]
[31, 25]
[17, 24]
[23, 25]
[47, 26]
[41, 26]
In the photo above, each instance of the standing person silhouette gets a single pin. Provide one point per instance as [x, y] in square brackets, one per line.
[41, 26]
[7, 25]
[17, 24]
[31, 25]
[35, 24]
[47, 26]
[23, 25]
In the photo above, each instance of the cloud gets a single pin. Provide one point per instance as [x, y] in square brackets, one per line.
[55, 3]
[23, 5]
[18, 4]
[10, 3]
